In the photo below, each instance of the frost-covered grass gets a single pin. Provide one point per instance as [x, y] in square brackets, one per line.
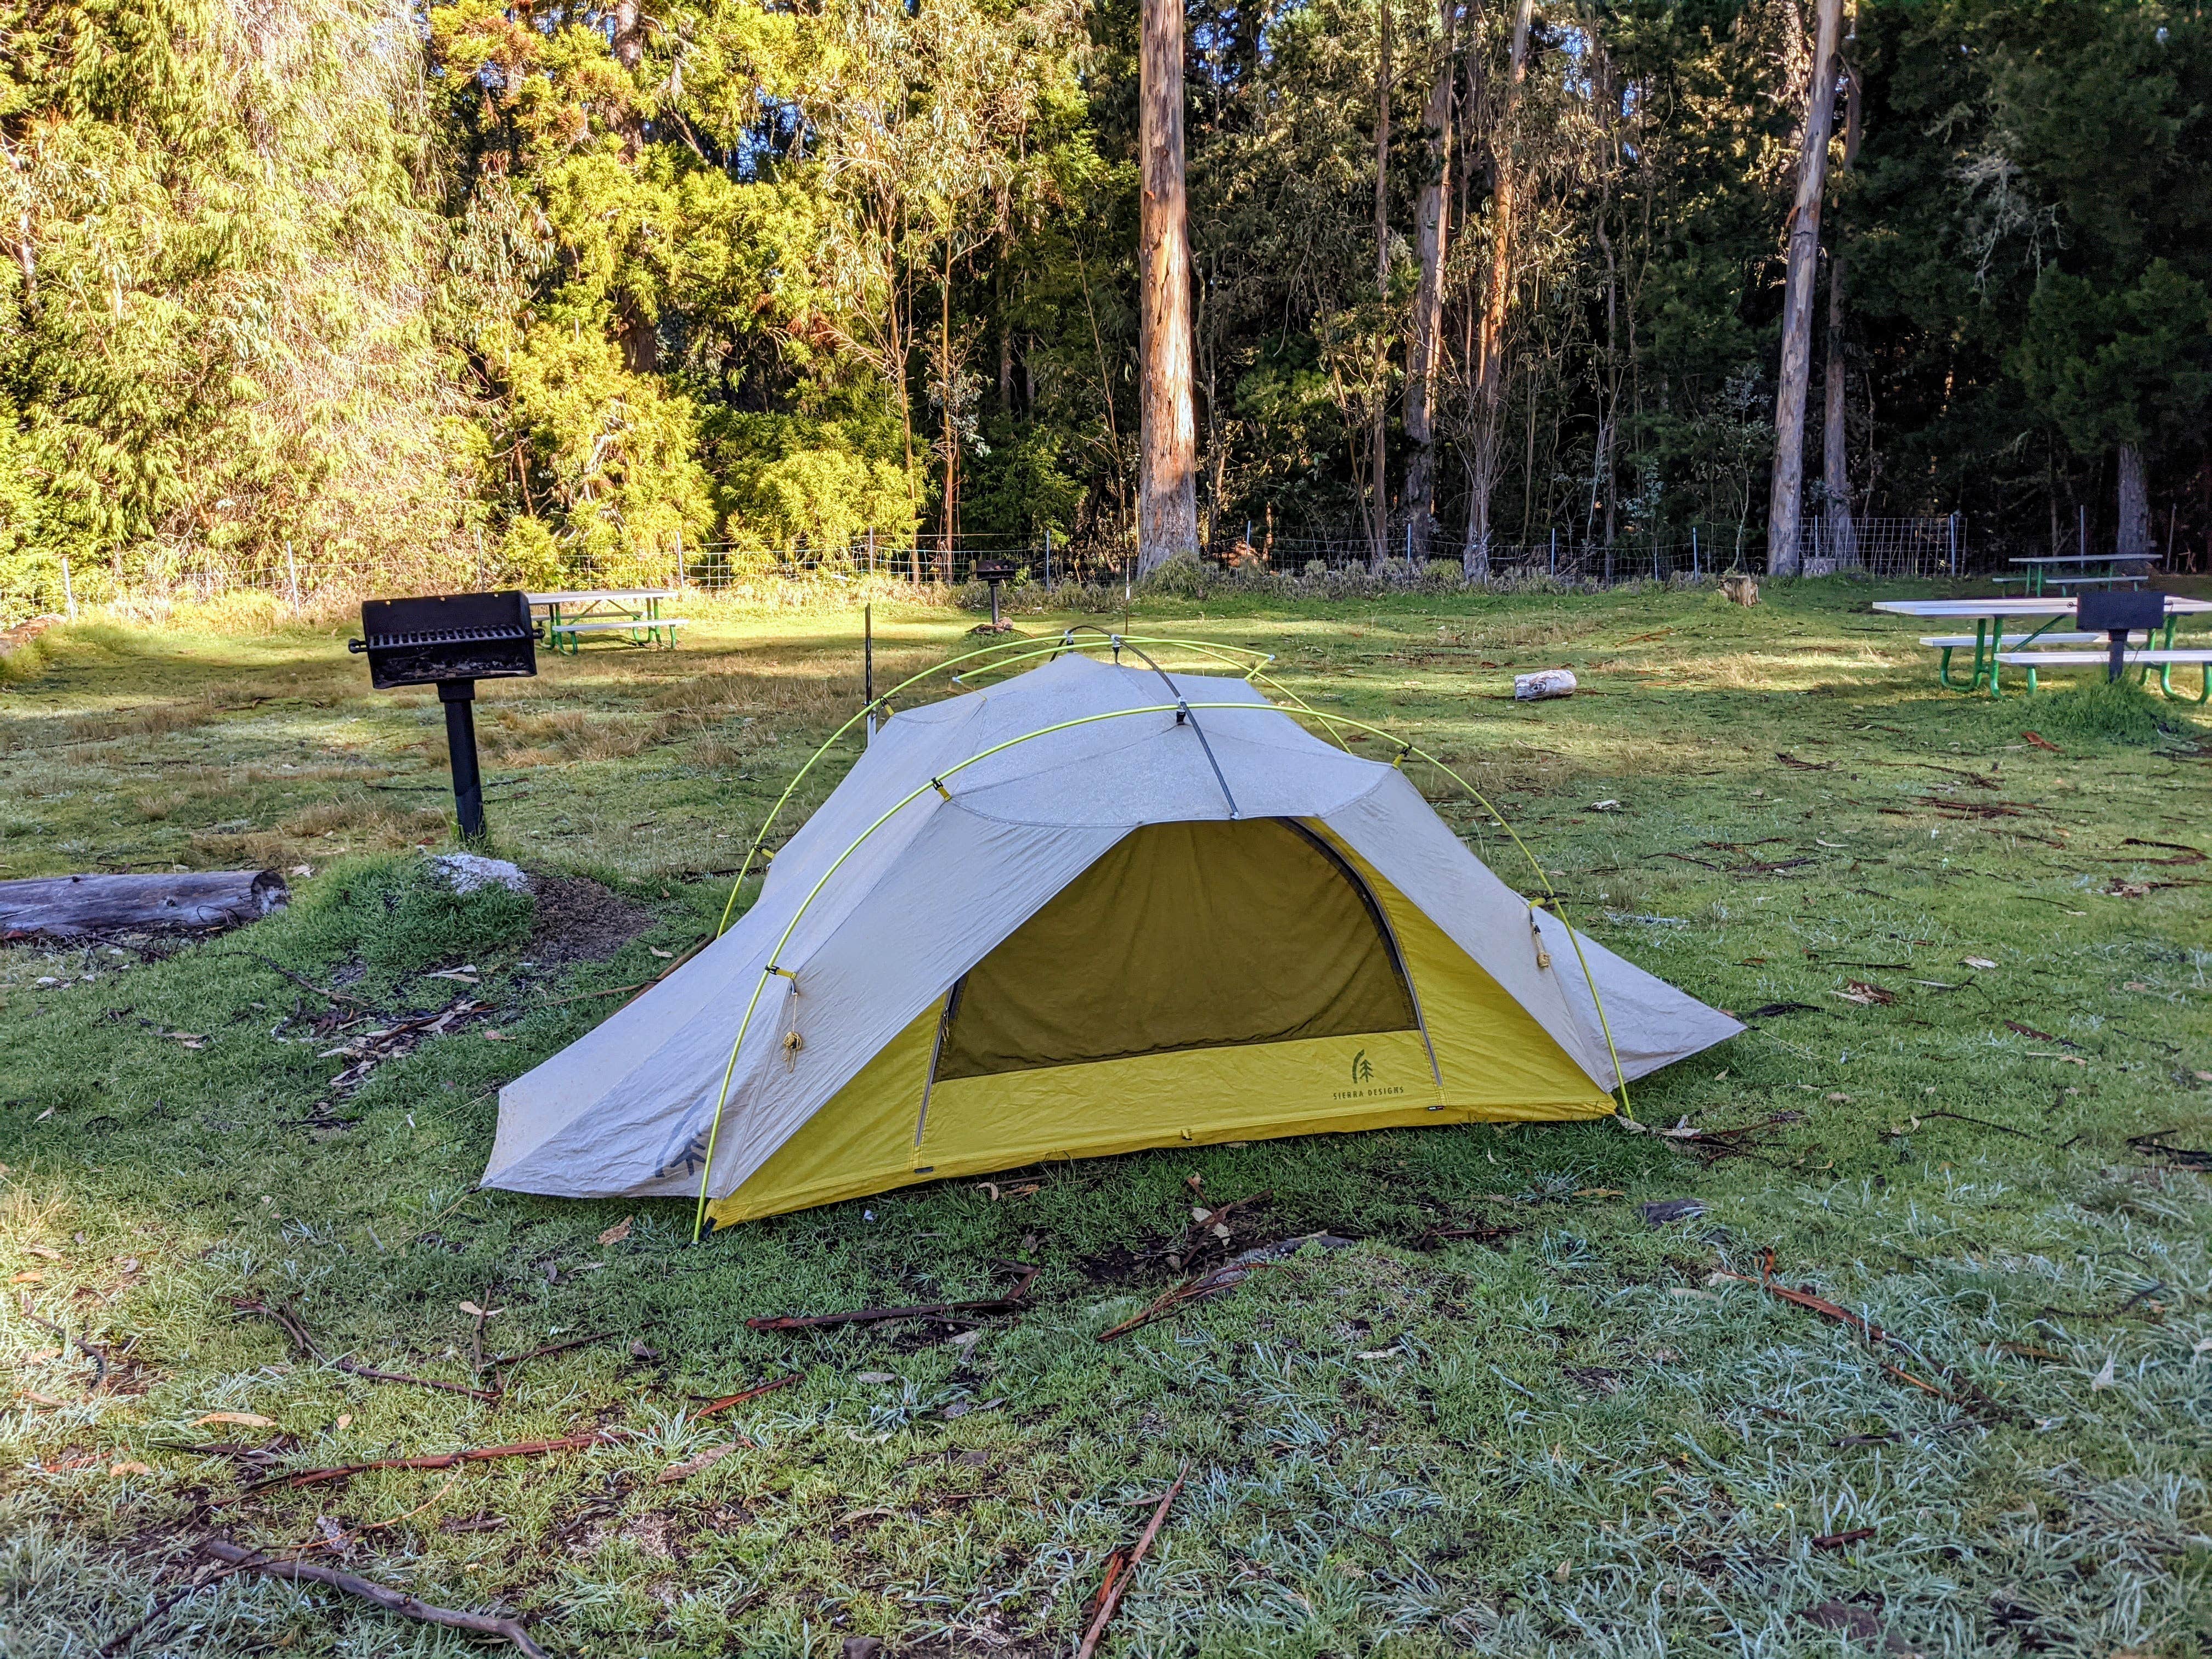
[1571, 1439]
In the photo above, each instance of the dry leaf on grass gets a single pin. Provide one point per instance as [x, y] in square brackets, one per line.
[691, 1466]
[240, 1420]
[46, 1250]
[129, 1468]
[1977, 962]
[619, 1231]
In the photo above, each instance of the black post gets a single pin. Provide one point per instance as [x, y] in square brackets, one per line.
[2116, 663]
[459, 698]
[868, 664]
[994, 604]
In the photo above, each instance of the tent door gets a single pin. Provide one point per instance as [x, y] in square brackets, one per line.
[1188, 935]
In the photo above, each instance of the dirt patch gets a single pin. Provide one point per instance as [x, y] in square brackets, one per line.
[580, 920]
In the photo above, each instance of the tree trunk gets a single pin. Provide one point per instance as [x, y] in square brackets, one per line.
[1424, 347]
[948, 386]
[629, 34]
[640, 338]
[2135, 507]
[1835, 414]
[1785, 501]
[1490, 335]
[1167, 482]
[1377, 456]
[94, 904]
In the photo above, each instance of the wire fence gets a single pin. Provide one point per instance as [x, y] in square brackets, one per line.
[293, 580]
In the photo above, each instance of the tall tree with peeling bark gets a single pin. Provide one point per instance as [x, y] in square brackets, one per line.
[1841, 531]
[1167, 478]
[1486, 387]
[1378, 515]
[1786, 499]
[1432, 247]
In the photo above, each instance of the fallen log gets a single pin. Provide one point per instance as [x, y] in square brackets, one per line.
[201, 901]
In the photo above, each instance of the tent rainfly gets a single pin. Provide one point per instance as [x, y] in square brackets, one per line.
[1093, 909]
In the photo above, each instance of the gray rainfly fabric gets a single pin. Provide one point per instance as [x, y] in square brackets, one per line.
[915, 889]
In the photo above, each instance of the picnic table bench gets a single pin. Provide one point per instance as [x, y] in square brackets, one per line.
[1994, 649]
[2145, 659]
[631, 616]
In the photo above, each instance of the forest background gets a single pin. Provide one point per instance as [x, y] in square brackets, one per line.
[538, 291]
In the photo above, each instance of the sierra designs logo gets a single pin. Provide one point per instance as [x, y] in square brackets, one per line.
[1364, 1085]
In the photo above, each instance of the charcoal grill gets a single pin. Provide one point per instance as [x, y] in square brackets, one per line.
[2116, 615]
[451, 641]
[991, 573]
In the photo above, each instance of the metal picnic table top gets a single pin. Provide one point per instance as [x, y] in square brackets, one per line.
[2041, 567]
[1998, 605]
[1989, 617]
[602, 596]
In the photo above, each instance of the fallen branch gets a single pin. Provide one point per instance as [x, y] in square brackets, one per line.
[343, 1540]
[306, 984]
[585, 996]
[200, 1581]
[435, 1461]
[1016, 1300]
[1918, 1118]
[1117, 1580]
[1218, 1282]
[383, 1596]
[1836, 1541]
[1961, 1394]
[99, 1359]
[372, 1375]
[2180, 1157]
[1857, 1324]
[296, 1332]
[753, 1392]
[551, 1348]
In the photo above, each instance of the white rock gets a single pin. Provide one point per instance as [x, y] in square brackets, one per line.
[466, 871]
[1546, 683]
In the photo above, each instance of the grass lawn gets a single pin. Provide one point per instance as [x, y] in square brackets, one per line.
[1975, 962]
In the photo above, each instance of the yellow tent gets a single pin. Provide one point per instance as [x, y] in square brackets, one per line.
[1077, 914]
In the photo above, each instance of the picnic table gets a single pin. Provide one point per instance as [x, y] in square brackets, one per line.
[631, 616]
[1992, 644]
[2044, 570]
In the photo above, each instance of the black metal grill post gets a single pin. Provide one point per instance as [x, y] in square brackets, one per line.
[459, 698]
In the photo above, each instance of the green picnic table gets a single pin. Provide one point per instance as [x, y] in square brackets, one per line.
[2088, 569]
[628, 615]
[1991, 643]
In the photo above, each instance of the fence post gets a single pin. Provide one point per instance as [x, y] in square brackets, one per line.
[1048, 558]
[292, 571]
[69, 593]
[480, 571]
[1952, 527]
[1694, 552]
[1555, 553]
